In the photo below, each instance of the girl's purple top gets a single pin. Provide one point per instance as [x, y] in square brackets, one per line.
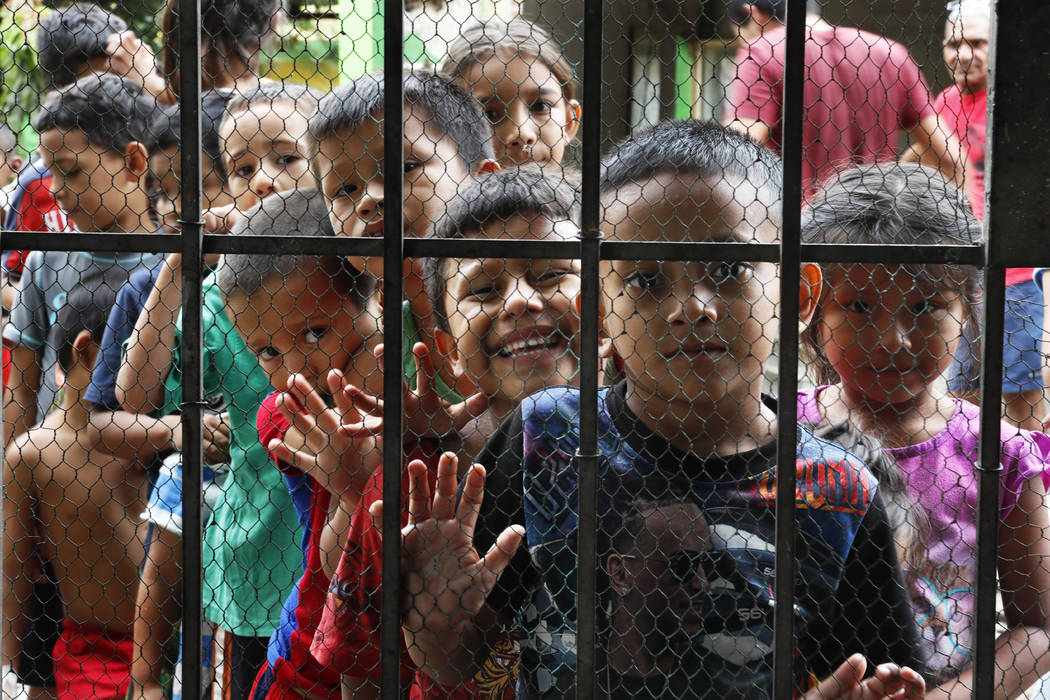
[941, 475]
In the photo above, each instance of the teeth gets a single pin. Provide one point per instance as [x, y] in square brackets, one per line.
[521, 347]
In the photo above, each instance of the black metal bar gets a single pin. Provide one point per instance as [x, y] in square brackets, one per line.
[192, 390]
[393, 291]
[587, 453]
[784, 682]
[95, 242]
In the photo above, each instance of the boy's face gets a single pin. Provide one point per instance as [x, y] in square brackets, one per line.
[305, 326]
[690, 330]
[264, 152]
[351, 169]
[513, 321]
[166, 194]
[90, 182]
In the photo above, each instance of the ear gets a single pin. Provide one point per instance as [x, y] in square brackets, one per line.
[811, 283]
[446, 345]
[486, 166]
[617, 573]
[84, 349]
[136, 159]
[573, 124]
[15, 163]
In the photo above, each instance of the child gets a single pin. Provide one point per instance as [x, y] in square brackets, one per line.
[91, 140]
[307, 318]
[688, 416]
[263, 139]
[447, 141]
[165, 161]
[508, 325]
[885, 333]
[524, 84]
[82, 503]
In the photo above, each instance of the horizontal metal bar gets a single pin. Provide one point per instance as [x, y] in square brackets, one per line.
[494, 248]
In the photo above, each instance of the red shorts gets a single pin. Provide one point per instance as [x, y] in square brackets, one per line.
[91, 663]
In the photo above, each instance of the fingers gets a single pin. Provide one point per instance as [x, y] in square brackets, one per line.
[302, 461]
[418, 493]
[843, 681]
[467, 410]
[307, 396]
[376, 511]
[471, 498]
[424, 370]
[447, 484]
[891, 680]
[502, 552]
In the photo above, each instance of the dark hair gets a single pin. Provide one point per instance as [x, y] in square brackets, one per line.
[8, 140]
[496, 197]
[692, 146]
[83, 310]
[777, 8]
[891, 203]
[295, 213]
[164, 130]
[111, 111]
[67, 38]
[479, 41]
[452, 111]
[228, 28]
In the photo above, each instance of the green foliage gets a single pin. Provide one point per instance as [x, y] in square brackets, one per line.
[20, 82]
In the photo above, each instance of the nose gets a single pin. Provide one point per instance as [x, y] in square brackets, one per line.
[895, 334]
[371, 204]
[696, 304]
[522, 298]
[519, 132]
[262, 182]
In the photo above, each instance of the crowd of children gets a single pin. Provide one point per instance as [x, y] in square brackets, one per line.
[293, 357]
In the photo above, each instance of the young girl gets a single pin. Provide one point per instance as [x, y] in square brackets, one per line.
[885, 333]
[524, 84]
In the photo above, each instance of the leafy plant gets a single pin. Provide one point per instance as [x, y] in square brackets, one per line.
[21, 84]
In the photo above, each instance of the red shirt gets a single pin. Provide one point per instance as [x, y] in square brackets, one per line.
[860, 90]
[34, 209]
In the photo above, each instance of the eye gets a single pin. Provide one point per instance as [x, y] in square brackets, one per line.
[493, 115]
[541, 107]
[288, 158]
[733, 270]
[314, 335]
[267, 353]
[554, 275]
[645, 280]
[482, 291]
[411, 166]
[347, 189]
[245, 171]
[926, 306]
[858, 307]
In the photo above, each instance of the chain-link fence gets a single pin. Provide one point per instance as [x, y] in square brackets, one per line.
[562, 300]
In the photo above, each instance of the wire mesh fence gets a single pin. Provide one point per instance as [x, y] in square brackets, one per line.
[645, 351]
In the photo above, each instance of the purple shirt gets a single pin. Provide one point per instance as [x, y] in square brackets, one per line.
[941, 475]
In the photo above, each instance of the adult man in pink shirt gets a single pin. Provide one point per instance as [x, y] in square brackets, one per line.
[963, 107]
[860, 90]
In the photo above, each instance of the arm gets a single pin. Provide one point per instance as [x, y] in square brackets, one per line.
[140, 382]
[19, 508]
[158, 605]
[934, 145]
[134, 435]
[20, 400]
[1022, 652]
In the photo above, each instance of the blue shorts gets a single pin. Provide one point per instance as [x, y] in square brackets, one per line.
[1022, 337]
[164, 508]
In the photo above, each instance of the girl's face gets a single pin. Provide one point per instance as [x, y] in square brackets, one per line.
[532, 122]
[888, 335]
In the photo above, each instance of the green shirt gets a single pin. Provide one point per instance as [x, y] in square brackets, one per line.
[252, 555]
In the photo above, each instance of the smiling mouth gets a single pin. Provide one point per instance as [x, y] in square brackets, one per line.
[536, 343]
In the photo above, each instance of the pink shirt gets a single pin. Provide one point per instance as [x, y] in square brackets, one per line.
[941, 476]
[860, 90]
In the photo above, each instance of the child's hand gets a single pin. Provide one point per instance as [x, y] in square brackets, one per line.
[890, 682]
[133, 59]
[343, 445]
[446, 581]
[219, 221]
[426, 413]
[216, 435]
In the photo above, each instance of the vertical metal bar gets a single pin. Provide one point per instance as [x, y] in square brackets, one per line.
[192, 227]
[393, 251]
[587, 454]
[787, 422]
[996, 222]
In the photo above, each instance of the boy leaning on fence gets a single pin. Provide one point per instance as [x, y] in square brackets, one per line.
[689, 417]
